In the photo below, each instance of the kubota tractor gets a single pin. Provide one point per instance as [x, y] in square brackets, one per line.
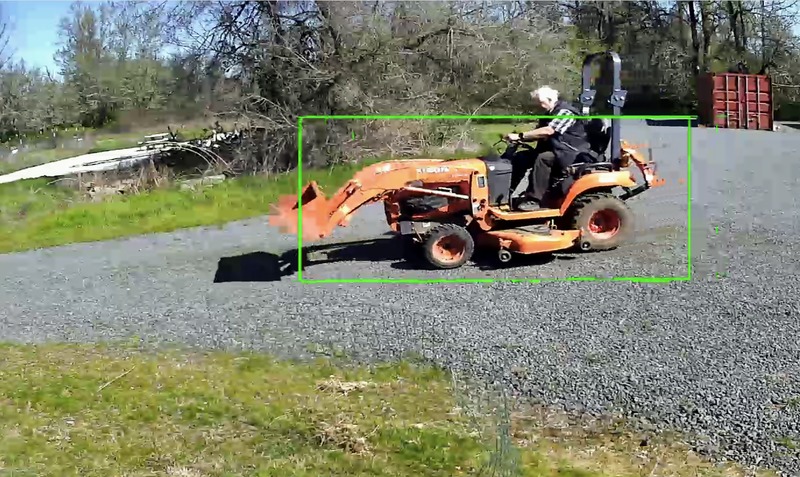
[445, 208]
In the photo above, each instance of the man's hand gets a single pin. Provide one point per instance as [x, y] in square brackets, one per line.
[513, 137]
[540, 133]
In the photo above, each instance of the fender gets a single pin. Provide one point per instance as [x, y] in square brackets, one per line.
[599, 181]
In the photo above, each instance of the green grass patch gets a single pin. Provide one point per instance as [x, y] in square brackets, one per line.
[73, 410]
[34, 215]
[114, 143]
[83, 411]
[24, 200]
[192, 133]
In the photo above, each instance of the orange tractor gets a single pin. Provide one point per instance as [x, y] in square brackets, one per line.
[447, 208]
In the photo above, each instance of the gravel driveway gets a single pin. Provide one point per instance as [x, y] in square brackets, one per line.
[719, 355]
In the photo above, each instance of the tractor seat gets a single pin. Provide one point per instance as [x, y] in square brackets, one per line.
[574, 172]
[588, 162]
[599, 134]
[579, 169]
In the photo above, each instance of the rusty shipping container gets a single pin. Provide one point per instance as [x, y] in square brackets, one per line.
[734, 100]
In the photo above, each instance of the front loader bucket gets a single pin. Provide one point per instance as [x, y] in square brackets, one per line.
[314, 213]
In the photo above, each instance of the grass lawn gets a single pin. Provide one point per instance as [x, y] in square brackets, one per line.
[34, 215]
[71, 410]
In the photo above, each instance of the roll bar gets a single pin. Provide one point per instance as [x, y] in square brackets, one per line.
[616, 100]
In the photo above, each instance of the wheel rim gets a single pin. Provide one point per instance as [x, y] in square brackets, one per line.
[449, 249]
[604, 224]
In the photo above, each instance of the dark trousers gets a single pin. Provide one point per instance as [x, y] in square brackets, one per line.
[542, 163]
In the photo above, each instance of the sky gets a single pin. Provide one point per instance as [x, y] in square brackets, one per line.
[34, 30]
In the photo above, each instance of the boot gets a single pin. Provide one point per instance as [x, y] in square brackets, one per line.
[527, 203]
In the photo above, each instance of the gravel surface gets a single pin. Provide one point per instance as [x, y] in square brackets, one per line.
[718, 355]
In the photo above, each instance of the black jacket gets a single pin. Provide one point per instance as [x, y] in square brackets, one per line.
[570, 138]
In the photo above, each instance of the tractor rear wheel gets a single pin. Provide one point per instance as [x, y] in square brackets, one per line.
[448, 246]
[605, 221]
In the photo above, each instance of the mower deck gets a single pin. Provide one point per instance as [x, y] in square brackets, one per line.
[530, 240]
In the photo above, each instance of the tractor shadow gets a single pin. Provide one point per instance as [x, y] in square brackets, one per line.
[271, 267]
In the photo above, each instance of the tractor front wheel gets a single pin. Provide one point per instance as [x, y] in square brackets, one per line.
[448, 246]
[605, 221]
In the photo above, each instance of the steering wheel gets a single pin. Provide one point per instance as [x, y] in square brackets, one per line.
[511, 144]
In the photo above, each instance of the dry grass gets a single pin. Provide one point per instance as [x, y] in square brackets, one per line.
[609, 448]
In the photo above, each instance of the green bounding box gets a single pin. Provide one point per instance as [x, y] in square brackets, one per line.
[642, 279]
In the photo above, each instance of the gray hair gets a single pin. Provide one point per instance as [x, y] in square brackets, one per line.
[545, 93]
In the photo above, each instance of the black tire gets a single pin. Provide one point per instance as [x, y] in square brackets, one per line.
[588, 213]
[448, 246]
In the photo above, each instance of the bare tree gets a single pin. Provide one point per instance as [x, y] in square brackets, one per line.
[265, 63]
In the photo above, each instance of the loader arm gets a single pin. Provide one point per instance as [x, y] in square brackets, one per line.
[375, 183]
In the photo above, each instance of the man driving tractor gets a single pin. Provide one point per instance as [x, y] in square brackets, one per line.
[559, 141]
